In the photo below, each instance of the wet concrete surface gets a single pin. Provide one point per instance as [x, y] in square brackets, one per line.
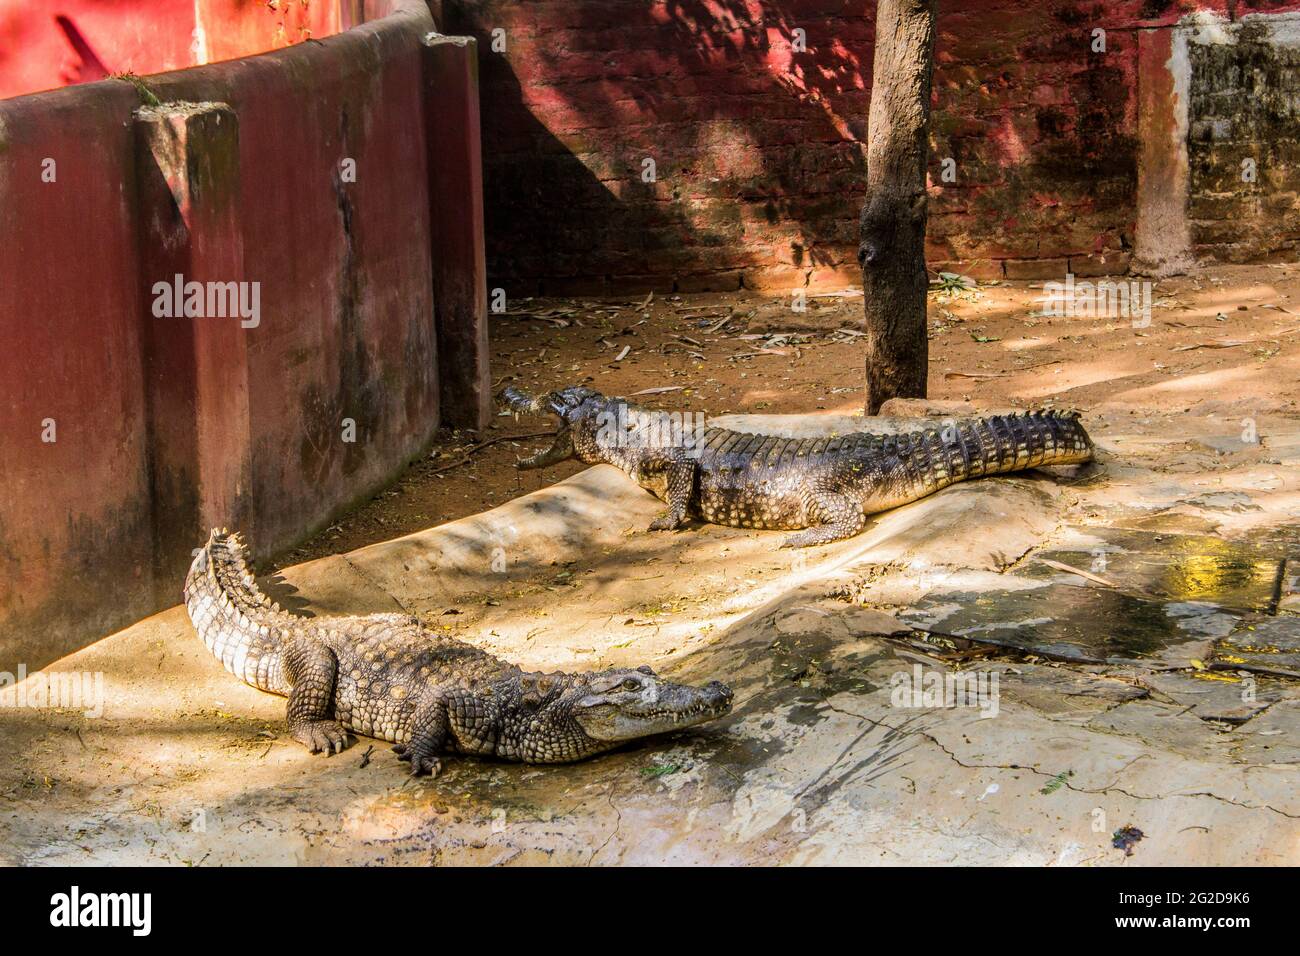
[856, 736]
[1266, 645]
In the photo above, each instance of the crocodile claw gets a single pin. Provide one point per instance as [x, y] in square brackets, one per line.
[322, 736]
[666, 522]
[420, 763]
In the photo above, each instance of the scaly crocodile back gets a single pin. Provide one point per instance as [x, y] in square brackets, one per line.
[239, 624]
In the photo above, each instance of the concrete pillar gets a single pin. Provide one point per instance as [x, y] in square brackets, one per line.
[1162, 241]
[195, 366]
[456, 226]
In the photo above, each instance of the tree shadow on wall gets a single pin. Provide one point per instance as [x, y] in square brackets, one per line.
[753, 120]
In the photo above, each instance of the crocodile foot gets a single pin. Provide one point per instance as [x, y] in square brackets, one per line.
[321, 736]
[666, 522]
[421, 763]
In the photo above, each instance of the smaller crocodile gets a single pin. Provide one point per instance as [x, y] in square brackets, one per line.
[826, 486]
[388, 676]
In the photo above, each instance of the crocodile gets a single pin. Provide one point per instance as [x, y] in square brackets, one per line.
[825, 486]
[390, 677]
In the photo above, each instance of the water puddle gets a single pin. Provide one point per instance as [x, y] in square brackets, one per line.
[1086, 625]
[1175, 567]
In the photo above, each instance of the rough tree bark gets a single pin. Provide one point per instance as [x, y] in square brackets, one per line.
[892, 227]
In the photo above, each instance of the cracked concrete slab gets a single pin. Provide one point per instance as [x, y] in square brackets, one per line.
[1215, 695]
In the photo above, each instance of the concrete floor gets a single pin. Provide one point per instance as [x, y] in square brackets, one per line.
[1184, 737]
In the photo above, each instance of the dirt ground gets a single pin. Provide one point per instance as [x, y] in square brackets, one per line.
[1223, 342]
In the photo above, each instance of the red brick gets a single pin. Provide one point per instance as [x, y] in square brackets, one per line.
[1036, 268]
[710, 282]
[775, 279]
[566, 286]
[981, 269]
[637, 285]
[825, 279]
[1112, 264]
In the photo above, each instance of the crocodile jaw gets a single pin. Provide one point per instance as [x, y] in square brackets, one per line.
[673, 707]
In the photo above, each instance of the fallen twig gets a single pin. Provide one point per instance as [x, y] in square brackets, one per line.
[731, 314]
[1060, 566]
[1252, 668]
[1228, 344]
[487, 444]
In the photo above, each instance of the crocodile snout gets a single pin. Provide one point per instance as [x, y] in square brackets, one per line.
[517, 400]
[719, 694]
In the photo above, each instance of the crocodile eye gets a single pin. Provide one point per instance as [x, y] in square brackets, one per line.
[631, 684]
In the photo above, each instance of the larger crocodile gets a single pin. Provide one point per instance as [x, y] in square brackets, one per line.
[826, 486]
[387, 676]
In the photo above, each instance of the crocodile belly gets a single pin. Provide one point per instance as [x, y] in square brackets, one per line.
[371, 707]
[750, 499]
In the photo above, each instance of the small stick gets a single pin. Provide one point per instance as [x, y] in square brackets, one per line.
[731, 313]
[1083, 574]
[478, 448]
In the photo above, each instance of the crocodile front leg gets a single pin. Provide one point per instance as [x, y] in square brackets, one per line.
[312, 671]
[681, 473]
[837, 517]
[544, 458]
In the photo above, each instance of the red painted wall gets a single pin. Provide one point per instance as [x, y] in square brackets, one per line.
[96, 526]
[759, 147]
[74, 513]
[143, 36]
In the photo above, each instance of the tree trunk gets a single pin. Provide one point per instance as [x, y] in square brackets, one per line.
[892, 228]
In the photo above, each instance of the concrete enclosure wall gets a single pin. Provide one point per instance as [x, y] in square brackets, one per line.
[315, 181]
[754, 115]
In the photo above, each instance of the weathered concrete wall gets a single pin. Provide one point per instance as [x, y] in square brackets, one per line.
[1244, 138]
[124, 433]
[754, 114]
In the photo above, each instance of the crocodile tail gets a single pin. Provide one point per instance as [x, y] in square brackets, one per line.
[239, 624]
[1003, 443]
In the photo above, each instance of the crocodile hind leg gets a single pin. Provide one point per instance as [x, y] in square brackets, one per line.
[312, 670]
[840, 517]
[429, 730]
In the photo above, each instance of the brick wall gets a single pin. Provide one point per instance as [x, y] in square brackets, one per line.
[756, 131]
